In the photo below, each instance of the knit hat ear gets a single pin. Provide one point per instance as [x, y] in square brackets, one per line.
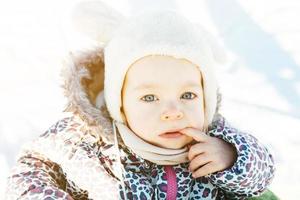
[217, 50]
[95, 20]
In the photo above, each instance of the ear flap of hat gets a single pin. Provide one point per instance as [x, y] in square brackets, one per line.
[95, 20]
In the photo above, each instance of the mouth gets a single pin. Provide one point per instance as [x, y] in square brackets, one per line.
[172, 134]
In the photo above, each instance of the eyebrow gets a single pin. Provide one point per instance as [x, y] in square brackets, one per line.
[152, 86]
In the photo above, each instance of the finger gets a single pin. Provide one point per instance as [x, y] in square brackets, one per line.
[191, 144]
[204, 170]
[195, 150]
[199, 161]
[195, 133]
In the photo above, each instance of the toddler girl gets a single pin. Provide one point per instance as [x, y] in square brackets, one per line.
[145, 120]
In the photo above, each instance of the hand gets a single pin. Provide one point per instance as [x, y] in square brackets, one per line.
[208, 154]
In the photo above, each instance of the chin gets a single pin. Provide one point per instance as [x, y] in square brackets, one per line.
[177, 145]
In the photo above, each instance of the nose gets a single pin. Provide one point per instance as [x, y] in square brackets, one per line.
[173, 114]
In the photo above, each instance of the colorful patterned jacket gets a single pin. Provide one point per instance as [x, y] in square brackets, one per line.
[77, 157]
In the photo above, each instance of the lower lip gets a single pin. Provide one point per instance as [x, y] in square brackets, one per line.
[172, 135]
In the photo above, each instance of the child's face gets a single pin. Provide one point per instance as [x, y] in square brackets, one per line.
[160, 94]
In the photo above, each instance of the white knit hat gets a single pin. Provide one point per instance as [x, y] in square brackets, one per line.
[151, 33]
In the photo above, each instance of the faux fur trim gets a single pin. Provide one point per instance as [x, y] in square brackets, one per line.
[83, 75]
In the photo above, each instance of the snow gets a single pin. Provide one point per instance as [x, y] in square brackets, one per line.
[260, 84]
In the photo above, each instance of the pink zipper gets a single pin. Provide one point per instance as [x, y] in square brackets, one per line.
[171, 182]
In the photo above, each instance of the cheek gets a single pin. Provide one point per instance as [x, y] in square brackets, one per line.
[140, 110]
[195, 112]
[142, 119]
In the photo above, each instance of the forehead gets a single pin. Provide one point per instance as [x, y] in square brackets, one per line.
[158, 69]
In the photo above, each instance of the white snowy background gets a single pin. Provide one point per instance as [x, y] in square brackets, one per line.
[260, 85]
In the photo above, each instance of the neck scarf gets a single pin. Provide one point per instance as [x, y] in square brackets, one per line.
[155, 154]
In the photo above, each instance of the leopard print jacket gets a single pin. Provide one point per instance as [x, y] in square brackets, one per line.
[76, 157]
[67, 162]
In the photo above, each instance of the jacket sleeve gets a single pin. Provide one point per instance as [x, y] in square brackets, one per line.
[254, 168]
[35, 177]
[61, 164]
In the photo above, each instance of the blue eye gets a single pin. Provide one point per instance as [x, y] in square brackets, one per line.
[148, 98]
[151, 97]
[189, 94]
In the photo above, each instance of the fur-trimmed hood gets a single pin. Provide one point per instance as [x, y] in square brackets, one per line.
[83, 76]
